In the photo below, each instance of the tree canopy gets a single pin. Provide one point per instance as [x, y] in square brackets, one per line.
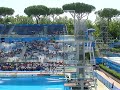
[81, 9]
[6, 11]
[55, 11]
[108, 13]
[36, 11]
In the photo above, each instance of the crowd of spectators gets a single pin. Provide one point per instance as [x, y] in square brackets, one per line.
[29, 66]
[7, 50]
[49, 55]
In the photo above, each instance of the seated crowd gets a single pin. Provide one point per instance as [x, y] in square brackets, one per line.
[29, 66]
[27, 51]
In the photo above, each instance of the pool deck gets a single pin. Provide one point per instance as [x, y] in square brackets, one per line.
[100, 85]
[39, 73]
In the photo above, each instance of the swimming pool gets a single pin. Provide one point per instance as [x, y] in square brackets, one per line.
[33, 83]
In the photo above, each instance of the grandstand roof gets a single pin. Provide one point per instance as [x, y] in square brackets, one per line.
[32, 29]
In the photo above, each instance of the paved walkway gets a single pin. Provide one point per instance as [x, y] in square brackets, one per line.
[109, 79]
[101, 86]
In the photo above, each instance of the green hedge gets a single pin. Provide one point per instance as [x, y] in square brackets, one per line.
[115, 50]
[112, 72]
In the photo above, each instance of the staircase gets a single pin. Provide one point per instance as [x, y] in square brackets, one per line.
[23, 52]
[10, 31]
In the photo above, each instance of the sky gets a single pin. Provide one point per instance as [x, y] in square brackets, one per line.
[20, 5]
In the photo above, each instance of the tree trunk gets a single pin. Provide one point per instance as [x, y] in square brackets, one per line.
[38, 18]
[53, 17]
[37, 21]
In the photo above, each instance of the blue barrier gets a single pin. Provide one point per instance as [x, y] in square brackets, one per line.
[105, 82]
[115, 44]
[99, 60]
[67, 88]
[112, 65]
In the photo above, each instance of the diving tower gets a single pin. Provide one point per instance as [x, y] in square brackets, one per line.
[82, 58]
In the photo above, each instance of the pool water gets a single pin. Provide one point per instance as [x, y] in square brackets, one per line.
[33, 83]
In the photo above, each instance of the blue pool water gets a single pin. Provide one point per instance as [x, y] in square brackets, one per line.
[33, 83]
